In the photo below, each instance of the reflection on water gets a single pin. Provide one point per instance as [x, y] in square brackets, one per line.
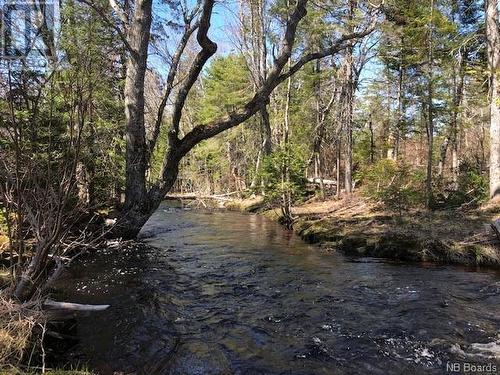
[274, 305]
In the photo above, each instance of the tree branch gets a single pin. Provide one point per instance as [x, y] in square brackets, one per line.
[208, 49]
[180, 147]
[261, 97]
[172, 73]
[338, 46]
[120, 12]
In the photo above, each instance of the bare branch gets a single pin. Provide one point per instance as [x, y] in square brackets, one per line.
[188, 31]
[208, 49]
[260, 98]
[338, 46]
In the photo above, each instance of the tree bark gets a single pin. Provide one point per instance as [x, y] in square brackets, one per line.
[136, 151]
[493, 41]
[430, 110]
[349, 103]
[455, 130]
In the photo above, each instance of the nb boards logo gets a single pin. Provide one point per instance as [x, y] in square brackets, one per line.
[28, 31]
[471, 368]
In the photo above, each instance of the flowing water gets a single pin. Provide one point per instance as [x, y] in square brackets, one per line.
[241, 290]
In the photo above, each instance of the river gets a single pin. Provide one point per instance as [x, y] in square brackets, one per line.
[225, 292]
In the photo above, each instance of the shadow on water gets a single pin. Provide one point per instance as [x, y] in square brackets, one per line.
[223, 292]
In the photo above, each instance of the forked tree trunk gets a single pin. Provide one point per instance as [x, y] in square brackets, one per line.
[140, 203]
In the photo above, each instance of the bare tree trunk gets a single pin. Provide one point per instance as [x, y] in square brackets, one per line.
[349, 104]
[401, 104]
[493, 41]
[388, 133]
[319, 129]
[455, 129]
[286, 198]
[372, 140]
[267, 144]
[430, 111]
[138, 38]
[252, 20]
[442, 156]
[261, 51]
[338, 161]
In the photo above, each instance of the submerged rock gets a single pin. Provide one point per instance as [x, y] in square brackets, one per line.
[196, 358]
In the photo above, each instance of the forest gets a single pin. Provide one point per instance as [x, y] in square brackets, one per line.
[369, 127]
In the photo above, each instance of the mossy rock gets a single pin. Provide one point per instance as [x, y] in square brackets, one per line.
[395, 246]
[354, 244]
[317, 232]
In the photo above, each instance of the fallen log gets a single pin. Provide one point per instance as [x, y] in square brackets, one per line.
[73, 306]
[195, 196]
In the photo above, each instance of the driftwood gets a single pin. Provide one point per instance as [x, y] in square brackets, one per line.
[73, 306]
[324, 181]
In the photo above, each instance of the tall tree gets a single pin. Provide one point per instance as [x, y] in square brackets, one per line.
[430, 105]
[349, 101]
[493, 41]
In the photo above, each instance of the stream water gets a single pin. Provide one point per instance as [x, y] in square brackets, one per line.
[237, 293]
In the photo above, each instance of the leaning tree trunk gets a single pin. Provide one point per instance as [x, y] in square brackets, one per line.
[141, 203]
[493, 38]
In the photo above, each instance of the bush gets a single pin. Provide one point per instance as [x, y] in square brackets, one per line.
[472, 187]
[272, 173]
[396, 184]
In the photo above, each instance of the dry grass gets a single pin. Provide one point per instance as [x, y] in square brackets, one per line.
[4, 276]
[17, 322]
[4, 242]
[350, 206]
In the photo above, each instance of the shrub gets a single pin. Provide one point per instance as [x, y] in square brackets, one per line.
[396, 184]
[472, 187]
[272, 173]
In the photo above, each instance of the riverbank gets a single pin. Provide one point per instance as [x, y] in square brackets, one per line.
[356, 226]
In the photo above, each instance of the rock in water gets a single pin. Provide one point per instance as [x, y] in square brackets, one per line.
[197, 358]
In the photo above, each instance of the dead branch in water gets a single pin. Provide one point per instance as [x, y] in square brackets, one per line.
[73, 306]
